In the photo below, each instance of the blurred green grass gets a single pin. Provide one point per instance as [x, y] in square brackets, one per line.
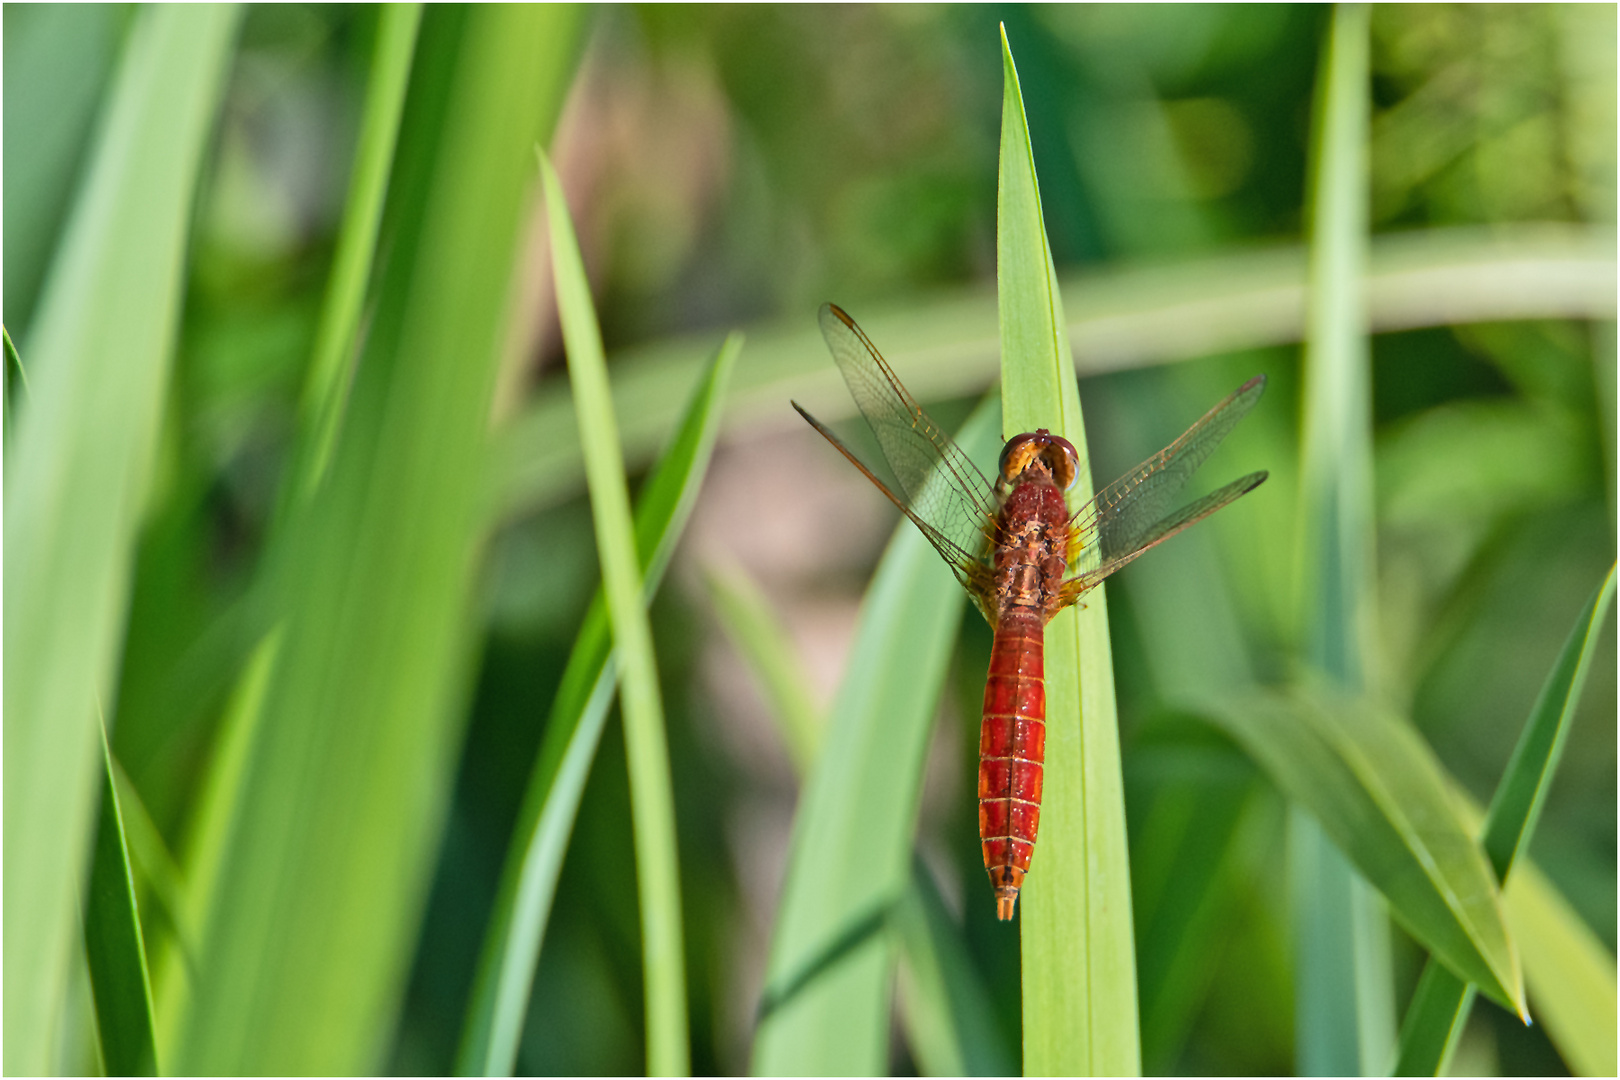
[738, 166]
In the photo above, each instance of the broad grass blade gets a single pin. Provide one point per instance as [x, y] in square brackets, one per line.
[1375, 788]
[517, 926]
[944, 1006]
[1080, 1011]
[61, 60]
[330, 374]
[828, 980]
[77, 471]
[371, 584]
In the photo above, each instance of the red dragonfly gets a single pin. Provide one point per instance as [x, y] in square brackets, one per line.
[1021, 555]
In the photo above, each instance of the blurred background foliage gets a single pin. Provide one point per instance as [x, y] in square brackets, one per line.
[738, 165]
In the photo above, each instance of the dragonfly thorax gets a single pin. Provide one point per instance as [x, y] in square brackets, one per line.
[1031, 550]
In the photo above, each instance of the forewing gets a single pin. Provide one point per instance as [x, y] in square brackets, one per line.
[1134, 512]
[941, 490]
[1186, 517]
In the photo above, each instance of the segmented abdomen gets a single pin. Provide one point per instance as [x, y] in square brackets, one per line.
[1012, 749]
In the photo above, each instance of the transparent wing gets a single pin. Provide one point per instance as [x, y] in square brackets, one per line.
[941, 490]
[1184, 518]
[1134, 513]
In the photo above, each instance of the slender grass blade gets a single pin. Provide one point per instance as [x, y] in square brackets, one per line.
[150, 859]
[175, 958]
[828, 979]
[763, 642]
[113, 945]
[16, 381]
[573, 729]
[331, 365]
[1516, 806]
[1570, 972]
[652, 801]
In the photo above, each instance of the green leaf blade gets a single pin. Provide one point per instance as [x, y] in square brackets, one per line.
[1570, 972]
[371, 583]
[652, 801]
[1374, 787]
[501, 988]
[830, 961]
[1079, 977]
[945, 1007]
[753, 630]
[1345, 1014]
[330, 368]
[946, 344]
[113, 945]
[76, 478]
[1441, 1004]
[1511, 819]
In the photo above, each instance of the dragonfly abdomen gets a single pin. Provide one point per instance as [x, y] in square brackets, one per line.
[1012, 750]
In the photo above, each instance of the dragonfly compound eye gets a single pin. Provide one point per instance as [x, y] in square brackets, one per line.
[1065, 462]
[1053, 451]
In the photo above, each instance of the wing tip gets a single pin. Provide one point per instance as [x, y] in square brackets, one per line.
[831, 309]
[817, 424]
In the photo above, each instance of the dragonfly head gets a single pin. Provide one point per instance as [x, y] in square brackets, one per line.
[1040, 448]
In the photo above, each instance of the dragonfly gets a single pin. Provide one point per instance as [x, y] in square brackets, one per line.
[1022, 555]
